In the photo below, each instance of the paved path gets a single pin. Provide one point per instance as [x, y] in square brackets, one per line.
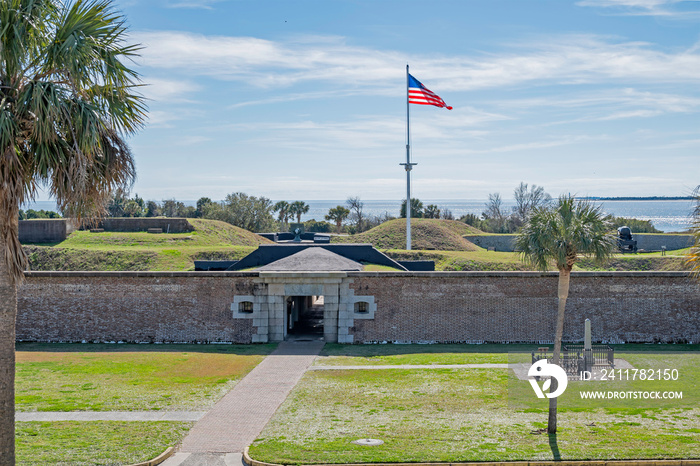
[204, 459]
[50, 416]
[239, 417]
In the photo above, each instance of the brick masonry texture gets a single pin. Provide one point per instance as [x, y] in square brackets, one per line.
[522, 308]
[118, 307]
[410, 306]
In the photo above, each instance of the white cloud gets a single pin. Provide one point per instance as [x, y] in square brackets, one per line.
[547, 143]
[309, 95]
[266, 63]
[605, 105]
[634, 184]
[193, 140]
[167, 90]
[378, 132]
[196, 4]
[680, 144]
[568, 59]
[162, 119]
[643, 7]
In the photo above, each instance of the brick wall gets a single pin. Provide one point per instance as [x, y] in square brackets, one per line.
[410, 306]
[132, 307]
[522, 306]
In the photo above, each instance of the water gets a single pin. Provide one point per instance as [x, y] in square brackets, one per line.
[667, 216]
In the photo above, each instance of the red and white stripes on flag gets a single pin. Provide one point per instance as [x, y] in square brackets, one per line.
[421, 95]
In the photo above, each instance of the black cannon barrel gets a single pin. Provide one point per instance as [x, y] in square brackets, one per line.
[624, 233]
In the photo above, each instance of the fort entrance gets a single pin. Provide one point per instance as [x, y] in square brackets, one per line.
[305, 315]
[288, 304]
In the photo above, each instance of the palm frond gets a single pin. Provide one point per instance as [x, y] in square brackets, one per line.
[693, 257]
[67, 98]
[556, 235]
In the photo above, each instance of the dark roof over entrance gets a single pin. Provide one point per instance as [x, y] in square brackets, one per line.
[313, 259]
[269, 253]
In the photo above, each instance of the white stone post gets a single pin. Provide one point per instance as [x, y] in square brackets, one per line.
[587, 348]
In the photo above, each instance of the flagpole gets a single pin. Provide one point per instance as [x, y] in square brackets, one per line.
[423, 96]
[408, 166]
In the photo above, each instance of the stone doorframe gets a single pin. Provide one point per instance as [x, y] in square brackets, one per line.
[269, 311]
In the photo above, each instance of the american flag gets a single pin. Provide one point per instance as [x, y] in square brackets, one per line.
[421, 95]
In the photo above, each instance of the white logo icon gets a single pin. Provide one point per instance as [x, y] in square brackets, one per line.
[547, 371]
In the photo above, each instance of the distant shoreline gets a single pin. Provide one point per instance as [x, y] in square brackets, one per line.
[650, 198]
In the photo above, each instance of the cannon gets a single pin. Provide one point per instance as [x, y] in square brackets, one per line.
[624, 240]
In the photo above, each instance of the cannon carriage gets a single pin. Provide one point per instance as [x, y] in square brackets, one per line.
[624, 240]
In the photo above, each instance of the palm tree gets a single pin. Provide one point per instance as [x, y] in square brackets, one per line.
[416, 208]
[694, 254]
[283, 208]
[67, 100]
[338, 215]
[556, 236]
[298, 208]
[432, 211]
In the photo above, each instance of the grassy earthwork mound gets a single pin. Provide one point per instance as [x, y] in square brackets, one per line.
[83, 250]
[430, 234]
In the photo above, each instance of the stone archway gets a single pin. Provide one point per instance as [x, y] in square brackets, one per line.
[280, 285]
[269, 304]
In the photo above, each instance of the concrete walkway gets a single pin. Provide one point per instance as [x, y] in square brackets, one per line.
[239, 417]
[204, 459]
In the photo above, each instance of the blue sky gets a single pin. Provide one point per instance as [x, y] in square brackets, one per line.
[306, 99]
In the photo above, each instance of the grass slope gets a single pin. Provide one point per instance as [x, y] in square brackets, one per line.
[83, 250]
[482, 260]
[427, 234]
[437, 240]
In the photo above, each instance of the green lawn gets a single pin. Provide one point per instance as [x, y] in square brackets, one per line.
[95, 442]
[360, 355]
[687, 365]
[74, 377]
[468, 414]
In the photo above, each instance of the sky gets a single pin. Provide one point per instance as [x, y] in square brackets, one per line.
[307, 99]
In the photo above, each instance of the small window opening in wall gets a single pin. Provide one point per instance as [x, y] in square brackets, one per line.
[362, 307]
[245, 307]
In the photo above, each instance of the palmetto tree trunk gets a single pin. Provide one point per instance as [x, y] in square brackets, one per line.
[8, 312]
[562, 294]
[557, 235]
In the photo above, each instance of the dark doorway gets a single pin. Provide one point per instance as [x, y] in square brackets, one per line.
[304, 315]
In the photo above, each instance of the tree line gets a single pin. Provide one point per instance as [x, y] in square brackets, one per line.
[259, 214]
[496, 218]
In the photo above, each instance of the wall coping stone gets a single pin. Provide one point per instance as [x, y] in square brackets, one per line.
[136, 274]
[302, 274]
[440, 274]
[521, 274]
